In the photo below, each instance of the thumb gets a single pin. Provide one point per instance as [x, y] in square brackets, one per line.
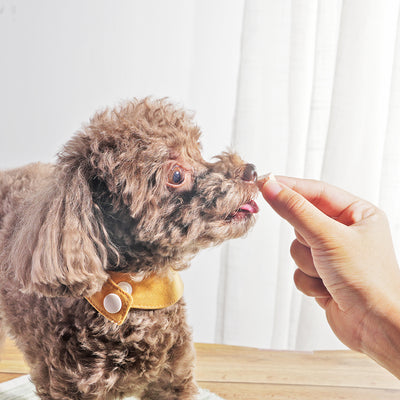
[307, 219]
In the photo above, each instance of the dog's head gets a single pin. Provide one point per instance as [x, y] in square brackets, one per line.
[133, 193]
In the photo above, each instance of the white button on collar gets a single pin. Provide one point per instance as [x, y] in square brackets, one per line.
[126, 287]
[112, 303]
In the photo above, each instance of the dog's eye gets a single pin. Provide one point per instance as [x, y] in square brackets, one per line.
[176, 176]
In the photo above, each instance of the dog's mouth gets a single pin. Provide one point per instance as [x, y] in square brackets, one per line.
[245, 211]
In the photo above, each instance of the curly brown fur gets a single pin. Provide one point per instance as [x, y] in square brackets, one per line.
[130, 192]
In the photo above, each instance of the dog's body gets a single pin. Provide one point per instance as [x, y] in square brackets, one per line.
[129, 193]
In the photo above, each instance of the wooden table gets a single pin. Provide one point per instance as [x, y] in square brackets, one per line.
[240, 373]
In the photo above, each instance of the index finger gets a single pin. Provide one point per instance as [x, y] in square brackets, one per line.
[330, 199]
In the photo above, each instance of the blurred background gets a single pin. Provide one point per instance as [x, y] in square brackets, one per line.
[300, 87]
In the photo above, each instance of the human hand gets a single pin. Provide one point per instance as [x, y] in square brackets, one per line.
[345, 258]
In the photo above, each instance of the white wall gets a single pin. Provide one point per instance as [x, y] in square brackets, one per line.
[62, 60]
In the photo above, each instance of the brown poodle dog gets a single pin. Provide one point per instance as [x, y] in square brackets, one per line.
[128, 193]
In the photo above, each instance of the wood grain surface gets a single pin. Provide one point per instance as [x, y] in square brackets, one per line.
[241, 373]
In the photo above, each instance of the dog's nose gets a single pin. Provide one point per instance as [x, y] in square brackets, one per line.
[249, 173]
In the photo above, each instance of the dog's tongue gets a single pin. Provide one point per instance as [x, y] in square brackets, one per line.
[250, 207]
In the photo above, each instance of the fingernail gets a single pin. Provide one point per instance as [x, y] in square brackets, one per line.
[264, 178]
[271, 187]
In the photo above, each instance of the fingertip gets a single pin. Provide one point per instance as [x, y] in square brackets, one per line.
[310, 286]
[297, 276]
[269, 186]
[262, 179]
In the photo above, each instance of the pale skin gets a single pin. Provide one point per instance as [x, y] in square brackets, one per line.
[345, 260]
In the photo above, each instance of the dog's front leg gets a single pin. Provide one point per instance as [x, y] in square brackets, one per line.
[176, 381]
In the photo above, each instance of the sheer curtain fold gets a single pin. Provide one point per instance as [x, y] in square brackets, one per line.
[390, 172]
[318, 96]
[360, 103]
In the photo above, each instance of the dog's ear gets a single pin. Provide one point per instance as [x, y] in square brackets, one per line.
[59, 247]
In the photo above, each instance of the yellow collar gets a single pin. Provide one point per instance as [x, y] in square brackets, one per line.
[120, 293]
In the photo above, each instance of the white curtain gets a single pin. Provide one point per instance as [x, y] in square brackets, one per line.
[299, 87]
[318, 96]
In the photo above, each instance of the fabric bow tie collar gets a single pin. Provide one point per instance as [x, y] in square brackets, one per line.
[120, 293]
